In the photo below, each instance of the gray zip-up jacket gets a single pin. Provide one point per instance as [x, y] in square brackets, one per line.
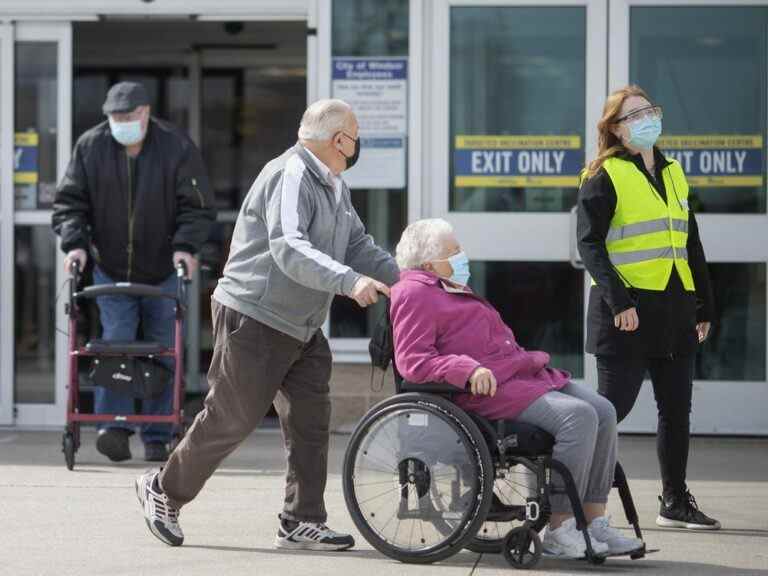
[294, 248]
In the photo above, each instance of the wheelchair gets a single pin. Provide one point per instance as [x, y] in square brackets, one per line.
[423, 479]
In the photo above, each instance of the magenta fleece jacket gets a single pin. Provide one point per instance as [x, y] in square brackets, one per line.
[443, 333]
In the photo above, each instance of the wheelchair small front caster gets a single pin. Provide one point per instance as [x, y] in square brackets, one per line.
[596, 559]
[522, 548]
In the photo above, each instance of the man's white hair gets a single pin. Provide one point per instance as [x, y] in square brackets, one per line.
[422, 242]
[323, 119]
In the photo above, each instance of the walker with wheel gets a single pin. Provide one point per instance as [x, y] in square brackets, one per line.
[133, 367]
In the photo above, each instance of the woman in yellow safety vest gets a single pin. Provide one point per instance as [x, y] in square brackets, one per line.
[651, 300]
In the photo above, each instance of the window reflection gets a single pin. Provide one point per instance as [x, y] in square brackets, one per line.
[517, 72]
[675, 52]
[35, 98]
[250, 115]
[736, 348]
[35, 314]
[370, 28]
[543, 303]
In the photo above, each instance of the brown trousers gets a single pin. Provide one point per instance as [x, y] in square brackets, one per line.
[252, 366]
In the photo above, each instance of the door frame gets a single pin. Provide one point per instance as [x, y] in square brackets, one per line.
[513, 229]
[6, 222]
[33, 27]
[737, 238]
[355, 350]
[52, 414]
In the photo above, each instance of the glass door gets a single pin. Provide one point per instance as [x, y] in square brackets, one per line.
[518, 89]
[6, 221]
[707, 66]
[41, 83]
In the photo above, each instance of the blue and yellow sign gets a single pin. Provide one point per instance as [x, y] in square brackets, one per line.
[517, 161]
[25, 158]
[718, 160]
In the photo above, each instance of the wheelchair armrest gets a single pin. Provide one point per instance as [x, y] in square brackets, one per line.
[429, 387]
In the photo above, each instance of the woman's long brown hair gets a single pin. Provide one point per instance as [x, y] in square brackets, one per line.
[608, 145]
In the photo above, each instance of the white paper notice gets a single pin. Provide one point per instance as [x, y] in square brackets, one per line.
[377, 90]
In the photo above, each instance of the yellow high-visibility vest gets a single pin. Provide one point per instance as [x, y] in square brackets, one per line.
[648, 236]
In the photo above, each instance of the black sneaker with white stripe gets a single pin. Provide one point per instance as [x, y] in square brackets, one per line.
[162, 517]
[682, 511]
[310, 536]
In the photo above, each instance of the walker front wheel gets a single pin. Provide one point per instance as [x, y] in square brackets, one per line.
[68, 447]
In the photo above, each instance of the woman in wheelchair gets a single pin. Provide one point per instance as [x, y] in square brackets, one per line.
[443, 332]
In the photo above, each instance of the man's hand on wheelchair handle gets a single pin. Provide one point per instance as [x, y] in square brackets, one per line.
[366, 291]
[483, 382]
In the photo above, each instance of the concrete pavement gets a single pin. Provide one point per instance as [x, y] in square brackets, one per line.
[85, 522]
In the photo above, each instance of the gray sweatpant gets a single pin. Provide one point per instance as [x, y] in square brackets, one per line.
[584, 426]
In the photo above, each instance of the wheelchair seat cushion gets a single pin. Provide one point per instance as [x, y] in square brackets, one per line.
[523, 439]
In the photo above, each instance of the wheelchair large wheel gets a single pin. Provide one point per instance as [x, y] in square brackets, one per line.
[417, 478]
[512, 489]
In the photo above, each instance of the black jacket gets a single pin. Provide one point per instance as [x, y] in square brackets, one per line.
[153, 205]
[667, 318]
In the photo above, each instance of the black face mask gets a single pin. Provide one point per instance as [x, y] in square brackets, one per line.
[352, 160]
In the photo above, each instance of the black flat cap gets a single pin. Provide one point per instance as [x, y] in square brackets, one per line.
[125, 97]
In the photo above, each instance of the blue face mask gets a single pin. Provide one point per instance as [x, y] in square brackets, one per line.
[460, 264]
[126, 133]
[644, 133]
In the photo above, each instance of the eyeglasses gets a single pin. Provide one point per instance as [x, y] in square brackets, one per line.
[653, 112]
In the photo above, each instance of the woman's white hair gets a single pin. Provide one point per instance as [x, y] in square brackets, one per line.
[422, 242]
[323, 119]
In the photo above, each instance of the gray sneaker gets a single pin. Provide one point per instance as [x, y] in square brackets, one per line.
[601, 530]
[162, 517]
[568, 542]
[310, 536]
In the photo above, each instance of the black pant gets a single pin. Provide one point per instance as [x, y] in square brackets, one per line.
[619, 379]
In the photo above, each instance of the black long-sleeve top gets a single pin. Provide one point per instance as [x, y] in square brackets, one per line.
[667, 318]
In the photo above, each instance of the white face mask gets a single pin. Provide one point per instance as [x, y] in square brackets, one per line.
[126, 133]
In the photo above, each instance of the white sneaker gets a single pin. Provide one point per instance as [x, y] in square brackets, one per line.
[601, 530]
[162, 518]
[310, 536]
[568, 542]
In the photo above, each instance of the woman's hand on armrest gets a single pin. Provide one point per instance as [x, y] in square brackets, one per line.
[483, 382]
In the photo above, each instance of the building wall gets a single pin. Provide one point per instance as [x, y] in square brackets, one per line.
[509, 70]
